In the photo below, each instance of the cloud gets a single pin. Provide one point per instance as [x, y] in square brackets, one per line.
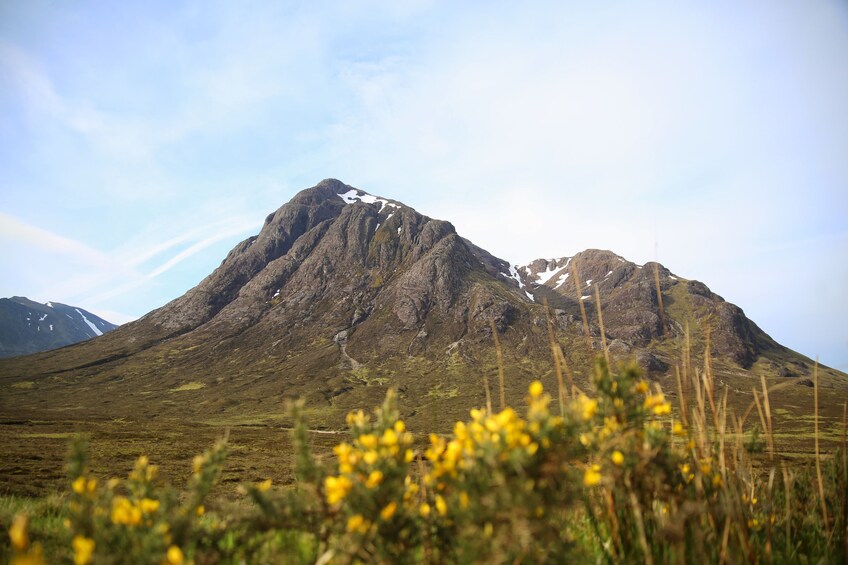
[118, 136]
[197, 248]
[200, 238]
[18, 232]
[35, 88]
[76, 273]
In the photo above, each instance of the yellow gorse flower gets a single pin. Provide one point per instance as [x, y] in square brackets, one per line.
[18, 532]
[388, 511]
[374, 479]
[144, 471]
[197, 463]
[356, 418]
[148, 505]
[368, 441]
[441, 505]
[175, 555]
[125, 512]
[389, 439]
[592, 476]
[536, 389]
[336, 488]
[81, 485]
[586, 407]
[657, 404]
[617, 457]
[78, 485]
[357, 523]
[83, 549]
[348, 457]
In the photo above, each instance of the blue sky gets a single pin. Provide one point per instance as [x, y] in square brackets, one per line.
[139, 141]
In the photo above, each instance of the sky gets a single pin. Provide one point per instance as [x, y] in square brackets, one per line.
[140, 141]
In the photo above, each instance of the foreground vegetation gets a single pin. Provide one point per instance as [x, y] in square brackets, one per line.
[612, 476]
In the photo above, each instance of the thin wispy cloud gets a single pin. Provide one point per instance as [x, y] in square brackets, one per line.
[196, 248]
[17, 233]
[104, 275]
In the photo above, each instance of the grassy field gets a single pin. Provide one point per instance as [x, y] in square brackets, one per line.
[617, 475]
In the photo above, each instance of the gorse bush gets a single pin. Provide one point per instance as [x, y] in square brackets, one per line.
[138, 520]
[612, 477]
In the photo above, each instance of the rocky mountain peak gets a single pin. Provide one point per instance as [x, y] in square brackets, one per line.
[342, 291]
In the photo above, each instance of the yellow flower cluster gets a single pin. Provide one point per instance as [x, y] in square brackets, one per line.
[19, 536]
[364, 462]
[136, 514]
[174, 556]
[18, 532]
[82, 486]
[126, 512]
[586, 407]
[657, 404]
[143, 470]
[336, 488]
[592, 477]
[83, 549]
[504, 433]
[358, 524]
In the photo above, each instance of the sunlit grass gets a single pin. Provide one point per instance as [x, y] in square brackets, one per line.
[194, 385]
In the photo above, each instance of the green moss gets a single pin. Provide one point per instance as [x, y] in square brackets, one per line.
[440, 392]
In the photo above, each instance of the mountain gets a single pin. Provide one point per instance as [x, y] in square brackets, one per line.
[343, 294]
[30, 327]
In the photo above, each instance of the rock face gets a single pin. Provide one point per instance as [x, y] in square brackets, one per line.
[334, 255]
[631, 304]
[29, 327]
[342, 294]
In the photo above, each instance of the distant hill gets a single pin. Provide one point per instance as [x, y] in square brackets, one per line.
[343, 294]
[29, 327]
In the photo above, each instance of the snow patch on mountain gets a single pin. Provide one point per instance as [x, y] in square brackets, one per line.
[353, 195]
[513, 274]
[90, 324]
[545, 276]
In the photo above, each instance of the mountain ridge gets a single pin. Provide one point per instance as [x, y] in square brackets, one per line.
[29, 327]
[342, 294]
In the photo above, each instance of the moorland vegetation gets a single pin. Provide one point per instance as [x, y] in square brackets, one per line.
[610, 475]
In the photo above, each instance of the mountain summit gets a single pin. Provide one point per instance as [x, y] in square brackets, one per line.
[29, 327]
[342, 294]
